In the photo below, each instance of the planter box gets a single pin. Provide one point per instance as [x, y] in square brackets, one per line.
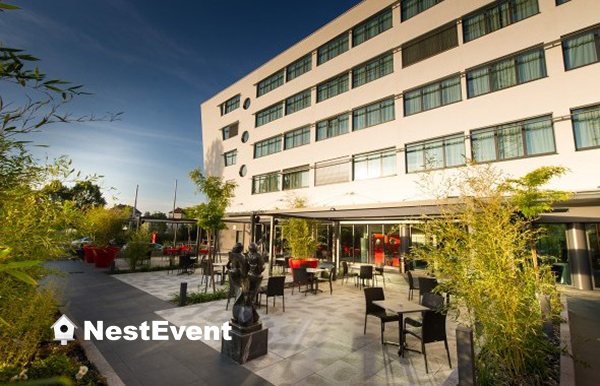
[88, 254]
[101, 257]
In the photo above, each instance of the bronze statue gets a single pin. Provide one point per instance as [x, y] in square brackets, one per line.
[245, 274]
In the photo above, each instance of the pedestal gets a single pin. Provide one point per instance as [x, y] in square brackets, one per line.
[246, 343]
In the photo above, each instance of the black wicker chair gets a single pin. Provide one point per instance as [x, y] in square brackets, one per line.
[372, 294]
[274, 288]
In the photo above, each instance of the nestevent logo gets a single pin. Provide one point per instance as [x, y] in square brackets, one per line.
[64, 330]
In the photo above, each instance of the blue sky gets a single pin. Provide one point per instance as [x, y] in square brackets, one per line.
[156, 62]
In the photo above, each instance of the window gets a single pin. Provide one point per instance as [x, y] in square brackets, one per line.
[230, 105]
[265, 183]
[410, 8]
[514, 140]
[586, 127]
[297, 102]
[430, 44]
[436, 154]
[499, 15]
[332, 171]
[433, 95]
[507, 72]
[269, 84]
[581, 49]
[374, 165]
[299, 67]
[230, 157]
[297, 138]
[332, 87]
[559, 2]
[333, 48]
[295, 179]
[332, 127]
[373, 69]
[268, 146]
[269, 114]
[374, 114]
[372, 27]
[230, 131]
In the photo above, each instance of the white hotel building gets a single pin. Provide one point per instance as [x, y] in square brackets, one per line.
[352, 115]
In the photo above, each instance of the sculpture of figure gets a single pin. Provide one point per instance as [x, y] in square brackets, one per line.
[245, 274]
[255, 261]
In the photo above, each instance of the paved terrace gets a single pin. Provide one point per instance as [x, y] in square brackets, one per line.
[319, 339]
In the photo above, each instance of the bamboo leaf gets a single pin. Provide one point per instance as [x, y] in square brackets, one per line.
[22, 276]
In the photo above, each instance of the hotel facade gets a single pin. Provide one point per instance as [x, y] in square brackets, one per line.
[351, 118]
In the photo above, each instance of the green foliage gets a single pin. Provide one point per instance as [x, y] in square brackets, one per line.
[218, 193]
[105, 226]
[481, 250]
[84, 194]
[203, 297]
[300, 233]
[137, 248]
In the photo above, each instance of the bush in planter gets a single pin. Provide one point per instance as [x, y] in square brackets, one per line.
[138, 248]
[105, 227]
[300, 234]
[481, 244]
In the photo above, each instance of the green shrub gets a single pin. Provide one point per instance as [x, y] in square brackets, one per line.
[137, 248]
[105, 226]
[203, 297]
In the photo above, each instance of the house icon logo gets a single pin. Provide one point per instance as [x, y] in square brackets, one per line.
[64, 330]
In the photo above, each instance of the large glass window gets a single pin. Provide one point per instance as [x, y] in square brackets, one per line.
[332, 127]
[295, 179]
[373, 114]
[265, 183]
[430, 44]
[230, 157]
[297, 102]
[333, 48]
[299, 67]
[373, 69]
[514, 140]
[332, 87]
[410, 8]
[269, 114]
[374, 165]
[499, 15]
[436, 154]
[230, 105]
[297, 138]
[268, 146]
[581, 49]
[270, 83]
[586, 127]
[230, 131]
[521, 68]
[443, 92]
[332, 171]
[372, 27]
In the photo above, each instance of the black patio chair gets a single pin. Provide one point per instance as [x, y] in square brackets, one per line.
[412, 284]
[187, 264]
[328, 279]
[378, 271]
[300, 278]
[431, 328]
[274, 288]
[346, 272]
[426, 286]
[372, 294]
[366, 273]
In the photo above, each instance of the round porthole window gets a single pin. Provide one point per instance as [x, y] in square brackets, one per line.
[243, 171]
[245, 136]
[246, 103]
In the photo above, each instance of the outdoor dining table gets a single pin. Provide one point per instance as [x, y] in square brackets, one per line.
[314, 272]
[400, 309]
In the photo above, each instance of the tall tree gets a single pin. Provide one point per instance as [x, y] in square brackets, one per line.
[210, 214]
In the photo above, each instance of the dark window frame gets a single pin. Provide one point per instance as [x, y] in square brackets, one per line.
[433, 140]
[272, 110]
[339, 44]
[380, 63]
[230, 104]
[227, 129]
[429, 35]
[299, 132]
[298, 99]
[573, 113]
[595, 31]
[265, 176]
[365, 107]
[227, 155]
[333, 83]
[266, 143]
[276, 78]
[420, 9]
[301, 169]
[301, 65]
[439, 81]
[328, 128]
[381, 154]
[380, 19]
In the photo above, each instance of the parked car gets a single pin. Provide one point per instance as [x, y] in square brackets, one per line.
[155, 247]
[79, 243]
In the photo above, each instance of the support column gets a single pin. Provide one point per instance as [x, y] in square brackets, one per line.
[336, 244]
[404, 245]
[271, 247]
[579, 259]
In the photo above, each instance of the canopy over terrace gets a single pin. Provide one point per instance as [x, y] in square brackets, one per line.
[581, 211]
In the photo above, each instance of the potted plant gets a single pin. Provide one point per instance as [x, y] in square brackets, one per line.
[300, 237]
[105, 229]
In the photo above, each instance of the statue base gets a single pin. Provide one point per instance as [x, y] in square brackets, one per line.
[246, 343]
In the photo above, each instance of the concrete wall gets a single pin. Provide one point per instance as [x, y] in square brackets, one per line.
[555, 94]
